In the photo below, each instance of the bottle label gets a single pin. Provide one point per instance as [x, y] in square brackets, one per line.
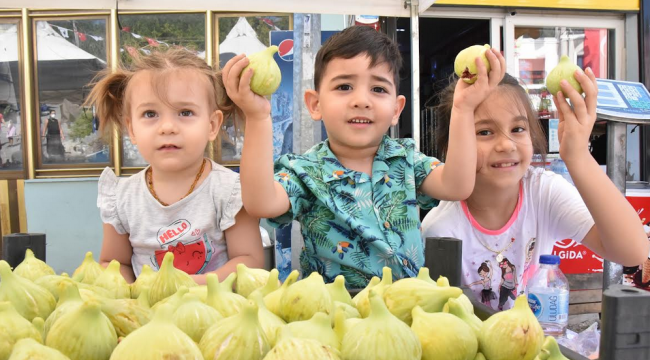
[551, 307]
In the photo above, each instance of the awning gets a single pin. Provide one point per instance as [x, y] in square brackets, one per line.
[394, 8]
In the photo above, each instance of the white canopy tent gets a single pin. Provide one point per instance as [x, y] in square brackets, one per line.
[241, 39]
[395, 8]
[62, 65]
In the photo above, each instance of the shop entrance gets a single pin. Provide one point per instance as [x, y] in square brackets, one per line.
[440, 41]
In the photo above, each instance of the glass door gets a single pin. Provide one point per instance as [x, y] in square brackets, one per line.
[533, 46]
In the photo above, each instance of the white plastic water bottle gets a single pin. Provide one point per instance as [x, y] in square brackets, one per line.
[548, 296]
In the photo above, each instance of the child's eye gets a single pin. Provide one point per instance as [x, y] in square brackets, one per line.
[186, 113]
[484, 132]
[344, 87]
[519, 129]
[379, 89]
[149, 114]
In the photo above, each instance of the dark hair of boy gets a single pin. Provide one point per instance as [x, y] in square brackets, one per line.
[355, 41]
[510, 87]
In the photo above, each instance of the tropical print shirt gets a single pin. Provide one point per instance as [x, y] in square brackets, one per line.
[354, 224]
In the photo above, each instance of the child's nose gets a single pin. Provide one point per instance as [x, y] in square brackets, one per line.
[505, 143]
[167, 125]
[360, 99]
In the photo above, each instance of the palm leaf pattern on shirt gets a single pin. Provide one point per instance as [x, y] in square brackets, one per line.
[355, 279]
[391, 207]
[347, 203]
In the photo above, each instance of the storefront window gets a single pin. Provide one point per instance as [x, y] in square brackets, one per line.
[11, 129]
[538, 51]
[69, 54]
[142, 34]
[241, 35]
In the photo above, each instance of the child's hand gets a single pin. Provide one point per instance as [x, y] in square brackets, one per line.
[255, 107]
[576, 123]
[468, 97]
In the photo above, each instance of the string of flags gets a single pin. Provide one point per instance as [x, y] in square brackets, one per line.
[65, 32]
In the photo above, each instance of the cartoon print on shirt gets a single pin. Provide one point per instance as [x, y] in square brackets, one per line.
[485, 272]
[192, 251]
[508, 285]
[528, 271]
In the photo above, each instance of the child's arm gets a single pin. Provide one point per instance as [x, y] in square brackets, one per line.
[116, 246]
[617, 234]
[262, 196]
[244, 244]
[455, 179]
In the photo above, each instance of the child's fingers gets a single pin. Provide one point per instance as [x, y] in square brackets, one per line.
[590, 87]
[234, 81]
[563, 106]
[497, 67]
[245, 81]
[226, 69]
[481, 71]
[578, 102]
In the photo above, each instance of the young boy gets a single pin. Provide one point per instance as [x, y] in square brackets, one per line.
[356, 193]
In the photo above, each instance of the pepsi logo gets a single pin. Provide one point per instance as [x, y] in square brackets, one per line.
[285, 50]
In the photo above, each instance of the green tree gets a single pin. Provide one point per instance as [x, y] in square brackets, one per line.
[82, 126]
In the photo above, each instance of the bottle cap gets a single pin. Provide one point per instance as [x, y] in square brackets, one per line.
[549, 259]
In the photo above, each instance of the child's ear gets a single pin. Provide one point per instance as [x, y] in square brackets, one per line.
[129, 128]
[216, 119]
[312, 101]
[399, 106]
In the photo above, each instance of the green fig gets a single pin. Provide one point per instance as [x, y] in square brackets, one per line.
[71, 334]
[272, 299]
[33, 268]
[88, 271]
[301, 349]
[305, 298]
[144, 281]
[266, 72]
[455, 307]
[437, 331]
[550, 350]
[158, 339]
[195, 317]
[237, 337]
[338, 292]
[14, 327]
[30, 349]
[29, 299]
[361, 300]
[112, 280]
[168, 280]
[564, 70]
[465, 63]
[405, 294]
[249, 280]
[380, 336]
[512, 334]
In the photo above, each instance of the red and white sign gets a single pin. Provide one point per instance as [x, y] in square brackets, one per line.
[577, 259]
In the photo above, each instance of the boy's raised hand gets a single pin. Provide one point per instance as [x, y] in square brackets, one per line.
[576, 123]
[468, 97]
[255, 107]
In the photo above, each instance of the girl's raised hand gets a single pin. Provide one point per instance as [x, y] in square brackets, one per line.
[255, 107]
[576, 123]
[468, 97]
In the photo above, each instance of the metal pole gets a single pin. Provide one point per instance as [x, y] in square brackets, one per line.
[115, 59]
[616, 166]
[415, 70]
[31, 119]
